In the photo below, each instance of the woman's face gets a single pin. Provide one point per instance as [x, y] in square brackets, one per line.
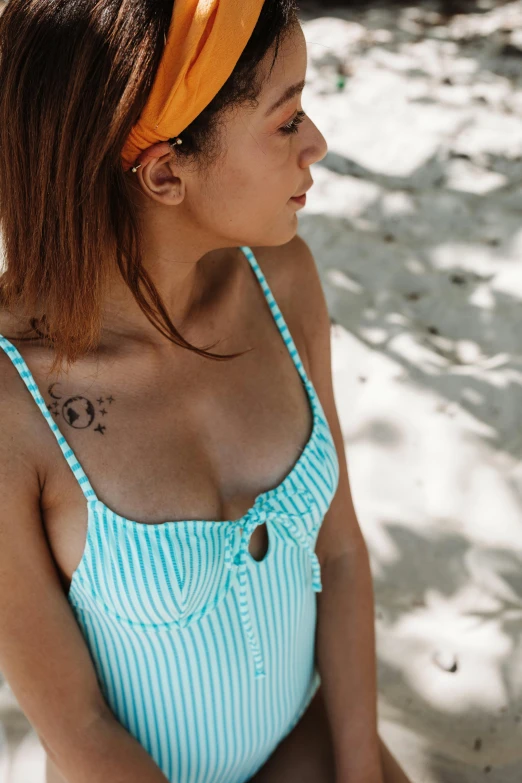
[245, 197]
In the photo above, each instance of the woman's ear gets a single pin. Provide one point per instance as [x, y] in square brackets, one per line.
[156, 175]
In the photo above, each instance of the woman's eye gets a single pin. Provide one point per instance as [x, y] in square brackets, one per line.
[291, 127]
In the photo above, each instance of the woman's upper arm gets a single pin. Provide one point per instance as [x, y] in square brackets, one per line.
[340, 534]
[43, 655]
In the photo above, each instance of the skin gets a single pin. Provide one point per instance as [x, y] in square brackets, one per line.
[192, 223]
[244, 199]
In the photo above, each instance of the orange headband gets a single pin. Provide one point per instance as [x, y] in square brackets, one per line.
[204, 43]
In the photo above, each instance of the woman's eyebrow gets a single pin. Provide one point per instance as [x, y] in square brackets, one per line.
[286, 96]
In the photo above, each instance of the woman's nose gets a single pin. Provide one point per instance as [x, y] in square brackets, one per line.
[316, 146]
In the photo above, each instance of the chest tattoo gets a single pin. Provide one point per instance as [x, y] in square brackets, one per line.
[79, 411]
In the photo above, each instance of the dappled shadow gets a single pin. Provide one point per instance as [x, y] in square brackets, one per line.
[414, 265]
[446, 8]
[408, 21]
[401, 277]
[466, 347]
[446, 565]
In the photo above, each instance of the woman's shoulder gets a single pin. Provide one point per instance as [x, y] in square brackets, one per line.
[10, 329]
[19, 415]
[14, 330]
[285, 264]
[292, 275]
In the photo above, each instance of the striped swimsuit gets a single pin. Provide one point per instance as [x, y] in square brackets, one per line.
[204, 654]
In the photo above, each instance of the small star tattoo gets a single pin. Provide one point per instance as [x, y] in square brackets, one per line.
[110, 399]
[100, 428]
[100, 400]
[103, 411]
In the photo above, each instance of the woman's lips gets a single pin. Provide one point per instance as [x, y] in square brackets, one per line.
[299, 199]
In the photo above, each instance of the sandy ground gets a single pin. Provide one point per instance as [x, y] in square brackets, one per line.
[414, 222]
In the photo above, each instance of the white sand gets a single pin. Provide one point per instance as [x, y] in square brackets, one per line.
[414, 223]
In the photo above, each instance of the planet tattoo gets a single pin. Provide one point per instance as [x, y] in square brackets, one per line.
[78, 412]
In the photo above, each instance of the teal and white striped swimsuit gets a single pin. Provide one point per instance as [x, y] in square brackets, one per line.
[204, 654]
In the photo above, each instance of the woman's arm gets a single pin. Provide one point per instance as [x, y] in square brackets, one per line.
[346, 661]
[345, 644]
[107, 752]
[42, 652]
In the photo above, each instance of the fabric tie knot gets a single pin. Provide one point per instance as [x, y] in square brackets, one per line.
[263, 513]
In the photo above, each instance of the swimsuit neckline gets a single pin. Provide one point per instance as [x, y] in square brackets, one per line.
[259, 500]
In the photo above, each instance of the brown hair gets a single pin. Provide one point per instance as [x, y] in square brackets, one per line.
[75, 75]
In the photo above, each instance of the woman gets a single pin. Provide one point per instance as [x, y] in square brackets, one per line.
[170, 514]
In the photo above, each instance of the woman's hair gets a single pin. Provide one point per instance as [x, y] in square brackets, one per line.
[75, 76]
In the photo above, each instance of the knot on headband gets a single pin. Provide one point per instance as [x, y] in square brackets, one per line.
[204, 43]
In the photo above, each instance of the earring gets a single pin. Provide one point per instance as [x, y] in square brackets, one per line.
[175, 140]
[135, 169]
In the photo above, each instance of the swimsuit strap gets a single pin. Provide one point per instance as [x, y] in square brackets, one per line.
[26, 375]
[278, 316]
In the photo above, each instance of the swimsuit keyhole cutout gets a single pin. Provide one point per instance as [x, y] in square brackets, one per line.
[260, 542]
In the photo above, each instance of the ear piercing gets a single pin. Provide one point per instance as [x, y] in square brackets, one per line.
[171, 142]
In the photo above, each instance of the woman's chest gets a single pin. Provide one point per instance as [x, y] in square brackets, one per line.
[178, 446]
